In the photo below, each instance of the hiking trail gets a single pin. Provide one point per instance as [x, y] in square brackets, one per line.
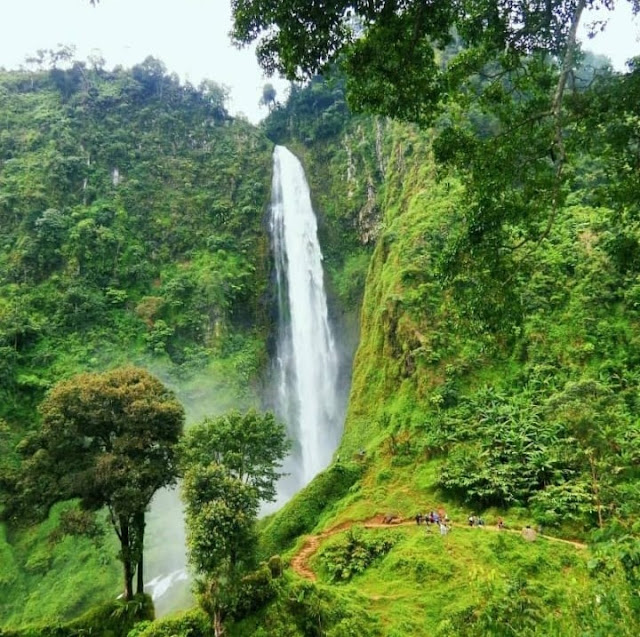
[300, 561]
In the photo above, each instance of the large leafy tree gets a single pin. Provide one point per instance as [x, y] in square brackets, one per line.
[389, 47]
[221, 512]
[230, 464]
[110, 440]
[494, 77]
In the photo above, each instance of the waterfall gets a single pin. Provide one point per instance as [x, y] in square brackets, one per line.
[306, 363]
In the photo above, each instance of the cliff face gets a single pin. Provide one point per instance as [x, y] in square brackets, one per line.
[132, 227]
[520, 386]
[511, 368]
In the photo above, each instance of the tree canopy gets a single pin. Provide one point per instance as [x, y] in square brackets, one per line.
[390, 49]
[249, 446]
[230, 464]
[108, 439]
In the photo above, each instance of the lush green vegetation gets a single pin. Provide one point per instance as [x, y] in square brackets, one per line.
[490, 379]
[112, 619]
[495, 260]
[230, 466]
[131, 230]
[132, 210]
[110, 440]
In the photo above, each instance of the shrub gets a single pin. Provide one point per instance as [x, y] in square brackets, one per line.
[354, 553]
[193, 623]
[256, 589]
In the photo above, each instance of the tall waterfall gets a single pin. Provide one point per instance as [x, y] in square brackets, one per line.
[307, 361]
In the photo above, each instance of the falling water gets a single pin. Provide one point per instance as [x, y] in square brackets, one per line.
[307, 361]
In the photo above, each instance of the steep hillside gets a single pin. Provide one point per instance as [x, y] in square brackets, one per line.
[132, 229]
[500, 384]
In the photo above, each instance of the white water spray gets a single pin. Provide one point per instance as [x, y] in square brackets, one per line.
[307, 360]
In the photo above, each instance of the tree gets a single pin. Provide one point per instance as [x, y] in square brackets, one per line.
[513, 62]
[110, 440]
[230, 464]
[249, 446]
[221, 512]
[268, 98]
[388, 47]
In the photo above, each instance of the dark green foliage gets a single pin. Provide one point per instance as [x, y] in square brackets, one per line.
[301, 513]
[389, 49]
[120, 187]
[312, 114]
[302, 609]
[514, 609]
[131, 230]
[113, 619]
[516, 454]
[608, 113]
[354, 553]
[230, 465]
[193, 623]
[255, 591]
[109, 440]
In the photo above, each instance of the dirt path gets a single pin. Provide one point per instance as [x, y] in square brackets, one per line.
[300, 561]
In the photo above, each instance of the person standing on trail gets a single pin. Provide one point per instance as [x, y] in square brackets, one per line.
[472, 520]
[500, 524]
[418, 518]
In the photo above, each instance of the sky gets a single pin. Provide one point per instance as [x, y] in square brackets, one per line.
[191, 38]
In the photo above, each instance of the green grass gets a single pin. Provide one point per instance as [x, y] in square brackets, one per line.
[427, 578]
[54, 581]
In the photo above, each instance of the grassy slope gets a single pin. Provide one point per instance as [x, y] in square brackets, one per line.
[42, 579]
[428, 582]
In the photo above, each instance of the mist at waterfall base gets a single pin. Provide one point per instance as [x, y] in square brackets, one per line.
[305, 391]
[167, 577]
[306, 366]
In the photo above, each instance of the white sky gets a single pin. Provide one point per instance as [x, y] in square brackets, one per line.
[190, 37]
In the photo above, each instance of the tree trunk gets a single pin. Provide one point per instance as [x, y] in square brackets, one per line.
[140, 576]
[218, 628]
[140, 524]
[125, 547]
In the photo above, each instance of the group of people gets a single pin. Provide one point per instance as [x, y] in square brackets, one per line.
[439, 518]
[442, 520]
[474, 520]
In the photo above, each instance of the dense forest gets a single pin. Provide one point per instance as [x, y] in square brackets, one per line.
[476, 188]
